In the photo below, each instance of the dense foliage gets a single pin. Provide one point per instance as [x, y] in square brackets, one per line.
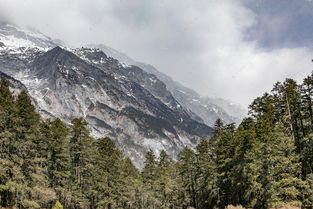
[267, 161]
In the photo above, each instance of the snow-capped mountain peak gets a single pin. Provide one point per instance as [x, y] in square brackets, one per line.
[14, 37]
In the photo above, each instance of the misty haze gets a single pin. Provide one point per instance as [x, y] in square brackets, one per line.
[170, 104]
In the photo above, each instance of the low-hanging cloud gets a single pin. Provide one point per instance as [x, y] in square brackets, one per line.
[202, 43]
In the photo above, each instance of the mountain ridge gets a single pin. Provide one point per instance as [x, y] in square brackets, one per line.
[66, 85]
[125, 102]
[206, 109]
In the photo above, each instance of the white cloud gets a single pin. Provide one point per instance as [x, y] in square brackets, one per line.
[199, 43]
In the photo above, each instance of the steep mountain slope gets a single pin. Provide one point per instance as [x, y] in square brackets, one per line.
[137, 112]
[209, 109]
[204, 109]
[136, 74]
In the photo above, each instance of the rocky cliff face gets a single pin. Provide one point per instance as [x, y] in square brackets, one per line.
[202, 108]
[129, 105]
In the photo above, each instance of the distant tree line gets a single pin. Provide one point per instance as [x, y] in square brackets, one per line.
[267, 161]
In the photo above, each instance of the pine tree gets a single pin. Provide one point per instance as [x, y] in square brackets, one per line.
[277, 159]
[206, 176]
[149, 176]
[59, 162]
[11, 178]
[81, 153]
[307, 95]
[131, 188]
[107, 172]
[224, 149]
[166, 186]
[284, 170]
[187, 171]
[247, 167]
[27, 132]
[289, 95]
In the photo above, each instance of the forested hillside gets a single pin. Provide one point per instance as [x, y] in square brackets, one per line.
[265, 162]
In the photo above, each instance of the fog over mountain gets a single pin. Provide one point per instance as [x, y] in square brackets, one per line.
[125, 103]
[169, 63]
[191, 104]
[221, 48]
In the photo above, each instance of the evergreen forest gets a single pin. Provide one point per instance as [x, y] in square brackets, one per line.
[265, 162]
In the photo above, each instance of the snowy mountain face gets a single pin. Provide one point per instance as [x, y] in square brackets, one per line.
[129, 105]
[202, 109]
[13, 37]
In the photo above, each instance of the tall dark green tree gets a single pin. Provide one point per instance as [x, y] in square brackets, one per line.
[12, 185]
[107, 172]
[33, 165]
[132, 187]
[81, 153]
[277, 157]
[206, 176]
[149, 176]
[59, 161]
[288, 97]
[166, 186]
[224, 149]
[187, 172]
[307, 95]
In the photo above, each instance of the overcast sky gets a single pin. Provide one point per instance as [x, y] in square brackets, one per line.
[234, 49]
